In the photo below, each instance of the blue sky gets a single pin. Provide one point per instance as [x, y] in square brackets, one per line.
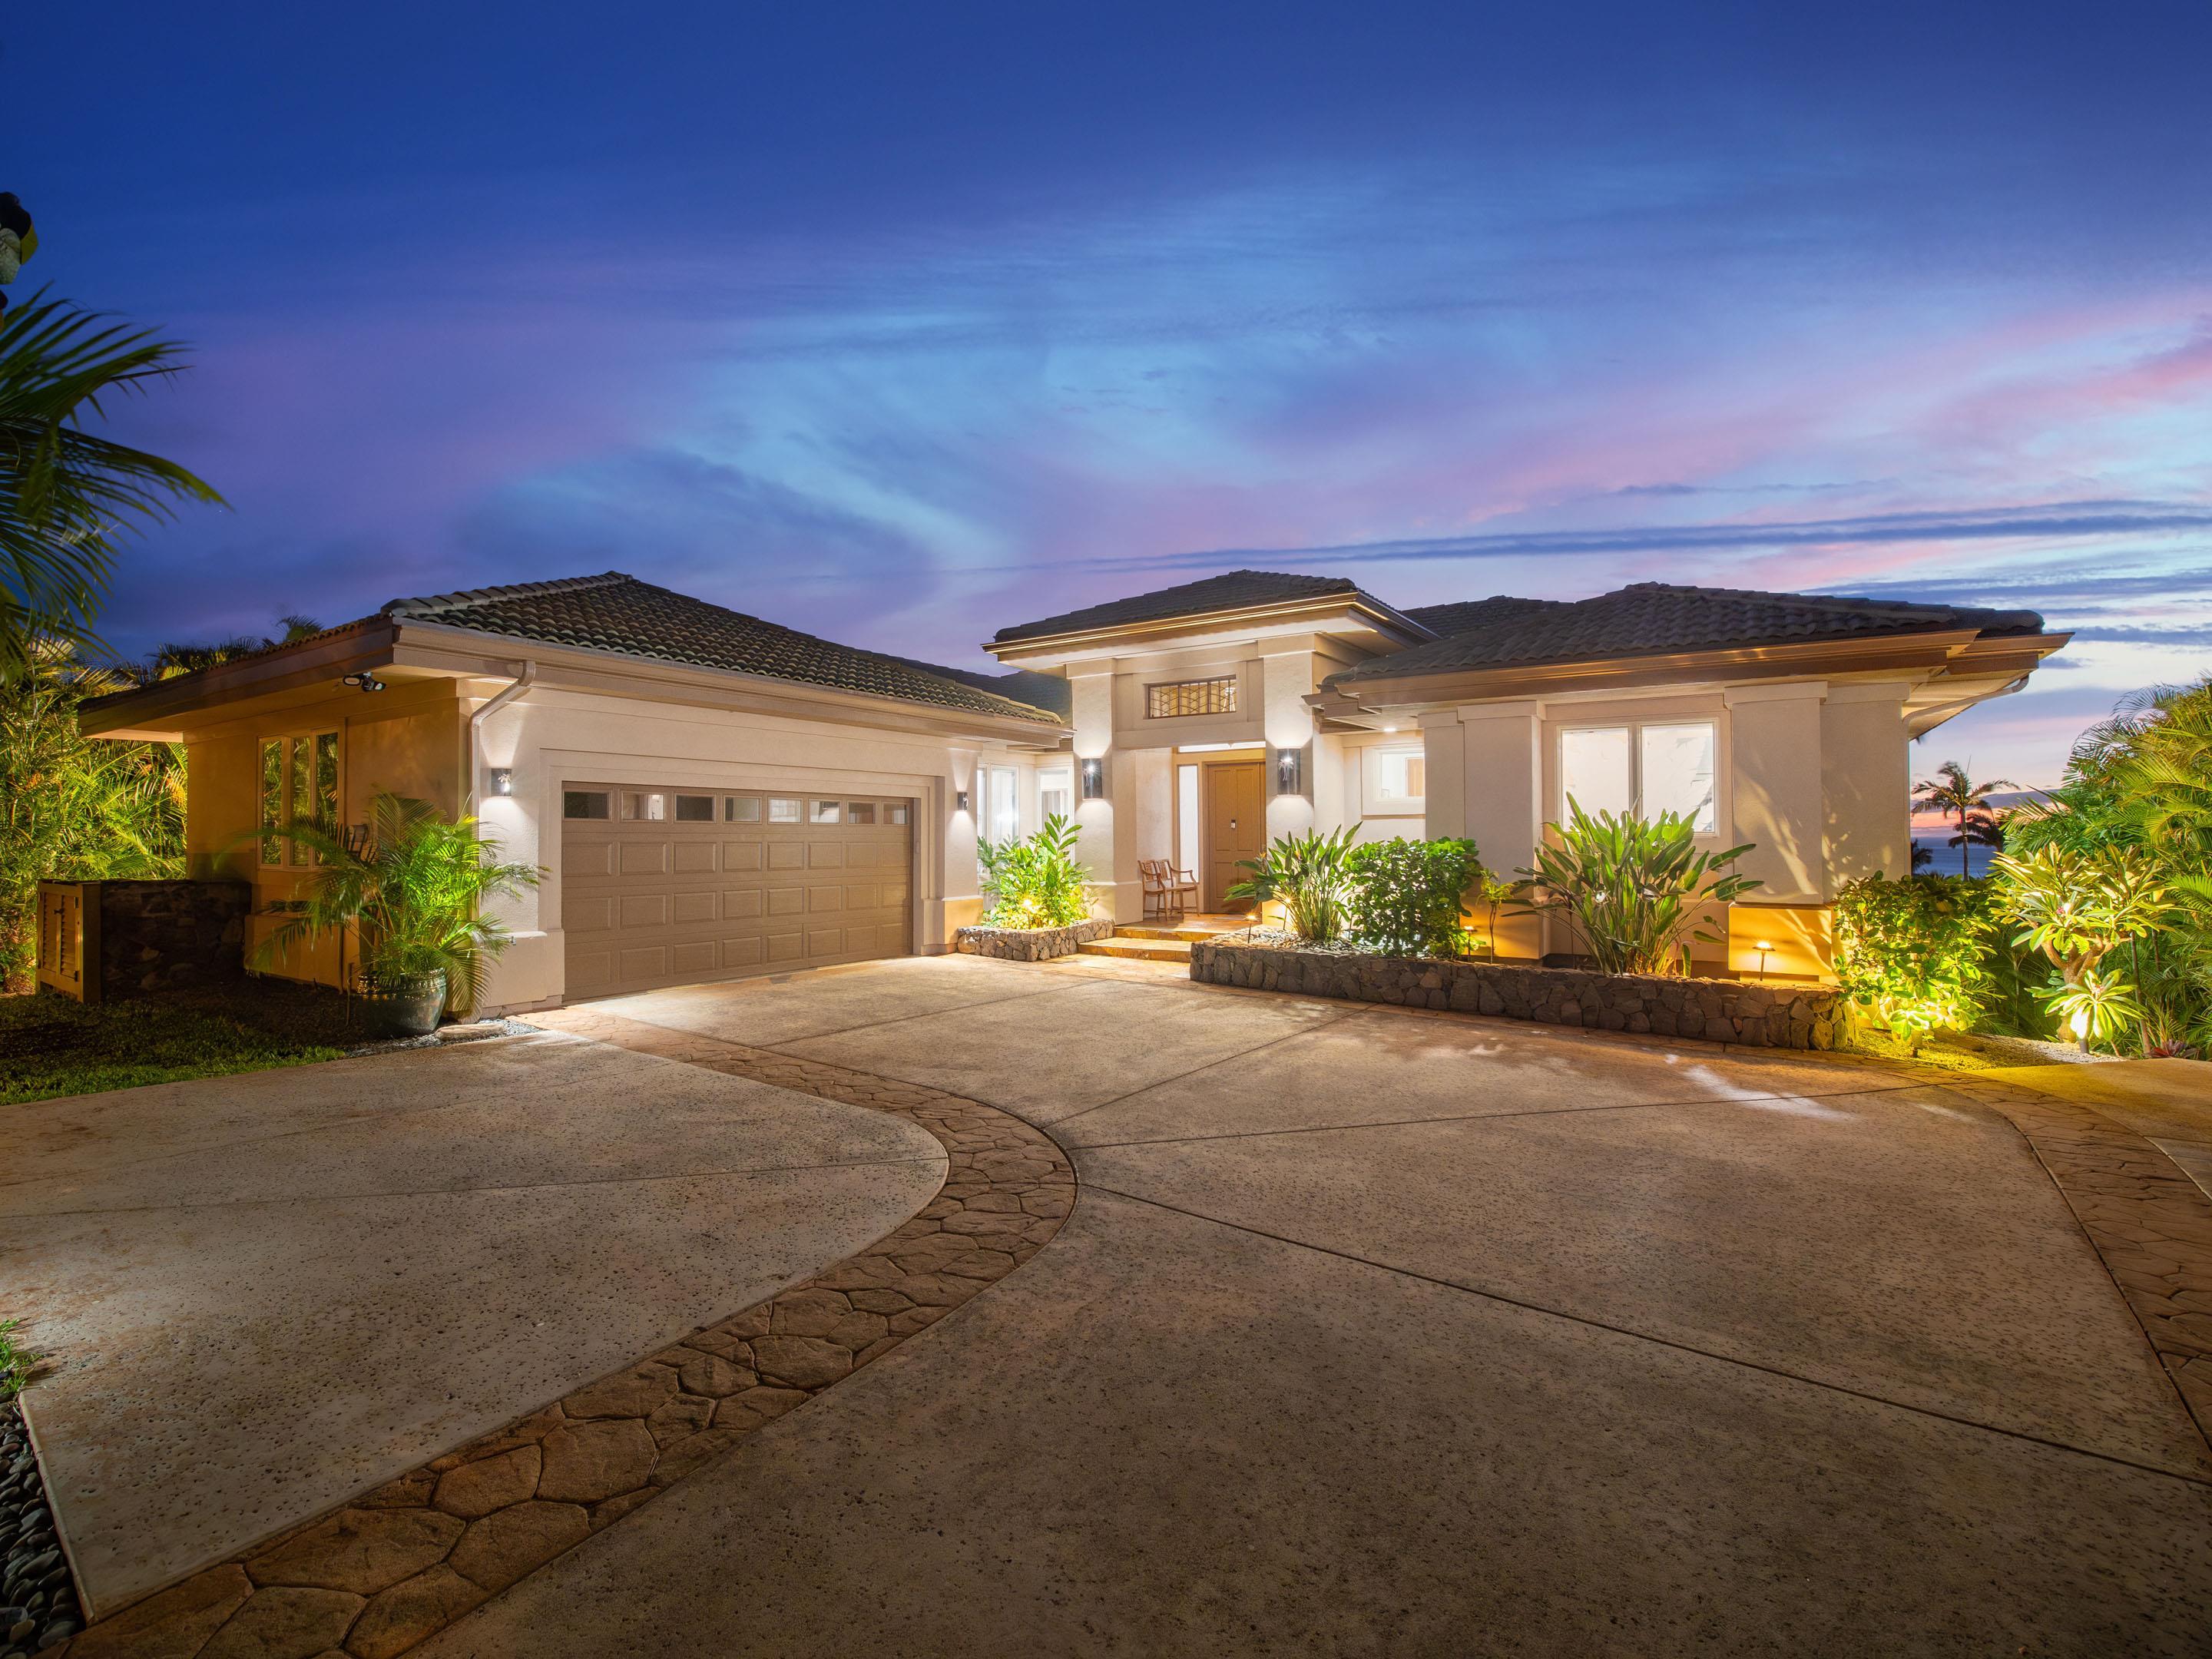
[901, 324]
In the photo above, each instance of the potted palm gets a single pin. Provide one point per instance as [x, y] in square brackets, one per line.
[412, 891]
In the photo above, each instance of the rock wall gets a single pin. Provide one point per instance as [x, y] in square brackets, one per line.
[156, 936]
[1030, 944]
[1716, 1010]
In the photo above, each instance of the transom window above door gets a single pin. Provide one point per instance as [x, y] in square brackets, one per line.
[1649, 769]
[1180, 697]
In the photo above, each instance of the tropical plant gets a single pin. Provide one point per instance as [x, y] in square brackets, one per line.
[1309, 876]
[16, 1361]
[1632, 887]
[74, 808]
[65, 494]
[2077, 908]
[1036, 882]
[1951, 792]
[1912, 953]
[412, 893]
[1407, 897]
[1490, 891]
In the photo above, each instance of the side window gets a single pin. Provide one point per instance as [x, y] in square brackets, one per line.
[272, 799]
[782, 809]
[584, 804]
[299, 780]
[694, 809]
[741, 809]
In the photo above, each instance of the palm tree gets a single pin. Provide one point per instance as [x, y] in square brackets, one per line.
[1951, 791]
[66, 492]
[174, 659]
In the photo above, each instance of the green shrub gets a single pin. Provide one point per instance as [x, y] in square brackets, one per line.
[1631, 886]
[16, 1361]
[1309, 876]
[2078, 908]
[1406, 895]
[1913, 954]
[1036, 882]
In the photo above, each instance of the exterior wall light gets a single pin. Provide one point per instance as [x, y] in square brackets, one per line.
[1290, 771]
[363, 682]
[502, 779]
[960, 800]
[1094, 780]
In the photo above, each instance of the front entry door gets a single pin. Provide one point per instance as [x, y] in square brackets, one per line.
[1235, 828]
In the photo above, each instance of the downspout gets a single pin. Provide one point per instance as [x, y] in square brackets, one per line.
[522, 683]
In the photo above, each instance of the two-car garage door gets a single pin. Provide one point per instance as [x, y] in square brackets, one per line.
[665, 886]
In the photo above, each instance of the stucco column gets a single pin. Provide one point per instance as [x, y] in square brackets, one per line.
[1775, 803]
[1866, 780]
[1106, 827]
[1499, 794]
[1287, 723]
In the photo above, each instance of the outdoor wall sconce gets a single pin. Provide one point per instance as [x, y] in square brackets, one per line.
[960, 800]
[502, 779]
[1290, 771]
[363, 682]
[1094, 780]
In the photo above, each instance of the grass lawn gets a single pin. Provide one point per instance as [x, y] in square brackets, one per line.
[50, 1045]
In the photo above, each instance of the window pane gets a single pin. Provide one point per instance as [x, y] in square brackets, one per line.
[827, 811]
[583, 803]
[694, 809]
[741, 809]
[1594, 770]
[1005, 805]
[302, 802]
[272, 798]
[897, 814]
[639, 805]
[782, 809]
[860, 811]
[1215, 696]
[1185, 817]
[1678, 774]
[1400, 776]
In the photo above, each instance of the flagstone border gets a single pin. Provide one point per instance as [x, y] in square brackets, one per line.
[394, 1567]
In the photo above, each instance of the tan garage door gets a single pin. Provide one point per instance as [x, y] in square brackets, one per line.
[665, 886]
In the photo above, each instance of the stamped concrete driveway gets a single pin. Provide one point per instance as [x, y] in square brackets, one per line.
[1377, 1332]
[268, 1293]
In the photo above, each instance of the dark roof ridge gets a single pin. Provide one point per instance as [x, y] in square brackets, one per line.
[1826, 601]
[430, 605]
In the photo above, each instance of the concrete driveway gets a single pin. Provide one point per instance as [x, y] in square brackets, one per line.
[268, 1293]
[1376, 1332]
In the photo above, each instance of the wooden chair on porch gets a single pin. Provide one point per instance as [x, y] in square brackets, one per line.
[1166, 888]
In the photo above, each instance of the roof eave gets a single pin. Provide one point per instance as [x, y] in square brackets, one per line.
[151, 711]
[1151, 630]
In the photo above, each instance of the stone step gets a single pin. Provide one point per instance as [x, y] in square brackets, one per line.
[1144, 949]
[1180, 929]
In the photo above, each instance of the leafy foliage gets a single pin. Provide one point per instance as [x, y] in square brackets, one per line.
[1913, 953]
[73, 808]
[413, 895]
[1038, 881]
[2077, 908]
[1491, 891]
[1405, 897]
[52, 1045]
[65, 494]
[1310, 875]
[16, 1361]
[1632, 887]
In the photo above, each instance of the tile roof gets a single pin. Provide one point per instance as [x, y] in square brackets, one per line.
[1021, 684]
[1653, 618]
[1231, 591]
[619, 613]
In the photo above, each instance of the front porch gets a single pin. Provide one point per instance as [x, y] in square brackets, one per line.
[1168, 939]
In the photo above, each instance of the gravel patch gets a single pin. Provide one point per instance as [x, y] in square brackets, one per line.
[445, 1036]
[38, 1598]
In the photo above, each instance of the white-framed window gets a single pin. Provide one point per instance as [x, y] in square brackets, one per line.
[1002, 805]
[1055, 792]
[1651, 767]
[299, 780]
[1394, 779]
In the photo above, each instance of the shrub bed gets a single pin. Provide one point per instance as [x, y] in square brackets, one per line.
[1715, 1010]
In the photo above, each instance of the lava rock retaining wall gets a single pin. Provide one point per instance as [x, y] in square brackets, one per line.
[1030, 944]
[1716, 1010]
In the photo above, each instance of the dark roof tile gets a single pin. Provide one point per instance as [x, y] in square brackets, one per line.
[1653, 618]
[1231, 591]
[619, 613]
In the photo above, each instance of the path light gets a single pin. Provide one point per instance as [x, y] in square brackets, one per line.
[1765, 949]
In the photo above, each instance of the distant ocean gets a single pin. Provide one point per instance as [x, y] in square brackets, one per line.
[1934, 832]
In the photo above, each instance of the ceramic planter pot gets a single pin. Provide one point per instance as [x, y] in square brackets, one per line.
[406, 1006]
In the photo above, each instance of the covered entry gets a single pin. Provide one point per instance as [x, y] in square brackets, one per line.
[663, 886]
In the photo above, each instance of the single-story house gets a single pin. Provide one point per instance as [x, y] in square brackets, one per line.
[711, 795]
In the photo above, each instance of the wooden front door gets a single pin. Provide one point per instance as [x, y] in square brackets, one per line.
[1235, 828]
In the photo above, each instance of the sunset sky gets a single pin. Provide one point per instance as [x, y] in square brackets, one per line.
[902, 323]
